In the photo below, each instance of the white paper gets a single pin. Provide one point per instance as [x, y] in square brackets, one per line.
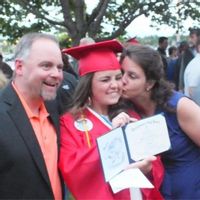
[113, 153]
[131, 178]
[147, 137]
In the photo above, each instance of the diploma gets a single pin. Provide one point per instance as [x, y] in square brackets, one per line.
[131, 178]
[133, 142]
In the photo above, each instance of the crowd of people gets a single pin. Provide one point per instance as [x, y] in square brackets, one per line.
[51, 116]
[181, 64]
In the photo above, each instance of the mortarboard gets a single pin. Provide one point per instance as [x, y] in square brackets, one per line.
[98, 56]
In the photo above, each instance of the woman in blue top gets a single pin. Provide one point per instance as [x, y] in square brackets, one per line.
[145, 87]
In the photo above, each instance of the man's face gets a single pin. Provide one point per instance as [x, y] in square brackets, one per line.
[41, 72]
[164, 44]
[193, 39]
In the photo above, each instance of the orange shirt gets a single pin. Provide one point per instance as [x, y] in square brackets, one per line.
[46, 136]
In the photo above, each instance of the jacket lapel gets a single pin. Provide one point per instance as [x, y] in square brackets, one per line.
[54, 118]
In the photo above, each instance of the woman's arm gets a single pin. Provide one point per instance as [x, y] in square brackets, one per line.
[188, 114]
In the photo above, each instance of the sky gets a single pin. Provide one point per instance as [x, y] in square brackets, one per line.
[141, 27]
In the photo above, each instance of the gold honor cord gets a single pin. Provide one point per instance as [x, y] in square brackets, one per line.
[86, 130]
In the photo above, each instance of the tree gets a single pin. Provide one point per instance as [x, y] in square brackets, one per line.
[72, 17]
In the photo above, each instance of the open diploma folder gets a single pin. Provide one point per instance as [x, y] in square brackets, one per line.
[133, 142]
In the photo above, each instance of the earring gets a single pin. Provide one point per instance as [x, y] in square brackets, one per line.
[89, 101]
[147, 89]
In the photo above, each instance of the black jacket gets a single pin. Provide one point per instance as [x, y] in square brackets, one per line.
[23, 173]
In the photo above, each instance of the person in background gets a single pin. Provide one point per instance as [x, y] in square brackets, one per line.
[3, 80]
[5, 68]
[187, 56]
[86, 40]
[98, 89]
[192, 77]
[173, 53]
[182, 47]
[65, 92]
[29, 126]
[133, 41]
[149, 93]
[171, 63]
[67, 87]
[68, 67]
[162, 46]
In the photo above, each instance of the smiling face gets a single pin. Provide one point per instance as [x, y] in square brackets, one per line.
[135, 85]
[40, 73]
[106, 89]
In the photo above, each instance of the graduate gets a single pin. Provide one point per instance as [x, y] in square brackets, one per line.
[99, 88]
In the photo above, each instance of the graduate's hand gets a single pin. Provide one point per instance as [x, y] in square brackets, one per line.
[122, 119]
[144, 165]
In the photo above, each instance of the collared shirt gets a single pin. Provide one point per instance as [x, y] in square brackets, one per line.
[47, 138]
[192, 79]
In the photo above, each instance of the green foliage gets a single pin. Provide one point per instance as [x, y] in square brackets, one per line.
[70, 16]
[64, 40]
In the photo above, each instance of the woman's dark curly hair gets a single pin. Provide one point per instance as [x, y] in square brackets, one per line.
[151, 63]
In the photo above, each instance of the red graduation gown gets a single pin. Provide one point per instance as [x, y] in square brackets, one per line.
[81, 166]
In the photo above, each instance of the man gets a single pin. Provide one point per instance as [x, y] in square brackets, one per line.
[28, 126]
[192, 77]
[162, 46]
[186, 57]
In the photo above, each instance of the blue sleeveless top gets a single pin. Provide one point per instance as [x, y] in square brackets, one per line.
[181, 162]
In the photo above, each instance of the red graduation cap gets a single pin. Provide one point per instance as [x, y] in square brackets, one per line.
[95, 57]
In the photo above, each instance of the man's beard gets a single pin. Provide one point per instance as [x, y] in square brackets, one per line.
[48, 96]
